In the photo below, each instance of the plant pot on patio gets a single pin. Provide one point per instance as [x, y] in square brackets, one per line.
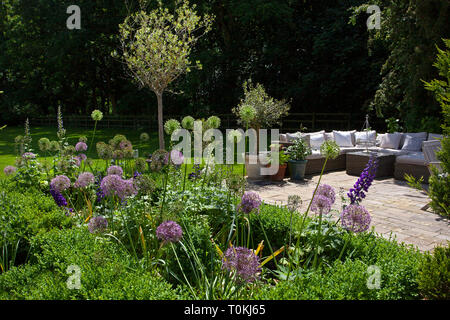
[297, 169]
[282, 162]
[297, 163]
[279, 176]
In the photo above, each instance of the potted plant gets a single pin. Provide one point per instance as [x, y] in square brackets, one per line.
[297, 163]
[258, 110]
[283, 158]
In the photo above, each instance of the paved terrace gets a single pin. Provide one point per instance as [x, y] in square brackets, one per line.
[394, 206]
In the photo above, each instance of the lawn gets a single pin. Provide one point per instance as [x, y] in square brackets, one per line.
[8, 153]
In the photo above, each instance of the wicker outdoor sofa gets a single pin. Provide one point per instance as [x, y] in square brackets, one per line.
[407, 148]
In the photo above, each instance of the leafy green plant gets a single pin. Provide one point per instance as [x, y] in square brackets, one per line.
[393, 125]
[434, 274]
[299, 150]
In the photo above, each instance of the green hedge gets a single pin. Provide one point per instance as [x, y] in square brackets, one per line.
[106, 271]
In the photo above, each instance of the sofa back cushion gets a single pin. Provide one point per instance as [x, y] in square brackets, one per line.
[391, 140]
[344, 138]
[419, 135]
[292, 136]
[365, 135]
[316, 139]
[412, 144]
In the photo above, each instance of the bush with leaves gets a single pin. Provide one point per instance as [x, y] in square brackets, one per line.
[434, 274]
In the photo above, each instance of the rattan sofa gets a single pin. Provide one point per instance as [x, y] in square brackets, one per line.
[406, 162]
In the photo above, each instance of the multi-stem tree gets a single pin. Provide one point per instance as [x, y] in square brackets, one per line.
[156, 47]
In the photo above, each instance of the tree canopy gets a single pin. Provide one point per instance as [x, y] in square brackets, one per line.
[306, 51]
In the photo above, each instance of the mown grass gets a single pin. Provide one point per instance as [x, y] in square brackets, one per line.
[8, 153]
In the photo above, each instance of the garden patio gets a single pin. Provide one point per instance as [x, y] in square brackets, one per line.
[396, 208]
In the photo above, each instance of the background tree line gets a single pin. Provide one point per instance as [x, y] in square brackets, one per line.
[317, 53]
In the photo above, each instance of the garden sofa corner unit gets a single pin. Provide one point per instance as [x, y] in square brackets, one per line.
[405, 149]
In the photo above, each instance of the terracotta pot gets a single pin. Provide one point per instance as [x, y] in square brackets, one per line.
[279, 176]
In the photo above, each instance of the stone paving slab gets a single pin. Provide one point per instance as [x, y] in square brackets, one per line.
[396, 208]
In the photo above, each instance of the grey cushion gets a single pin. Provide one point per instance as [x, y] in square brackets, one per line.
[414, 158]
[412, 143]
[391, 140]
[292, 136]
[420, 135]
[344, 138]
[364, 135]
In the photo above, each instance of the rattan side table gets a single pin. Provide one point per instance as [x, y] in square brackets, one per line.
[357, 161]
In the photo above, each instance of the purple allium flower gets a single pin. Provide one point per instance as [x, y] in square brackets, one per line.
[125, 144]
[28, 155]
[243, 261]
[176, 157]
[327, 191]
[169, 231]
[9, 170]
[250, 201]
[76, 161]
[355, 218]
[82, 156]
[356, 194]
[98, 224]
[114, 185]
[81, 146]
[60, 183]
[84, 179]
[321, 204]
[117, 170]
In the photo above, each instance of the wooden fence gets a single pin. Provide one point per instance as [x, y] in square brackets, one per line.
[291, 123]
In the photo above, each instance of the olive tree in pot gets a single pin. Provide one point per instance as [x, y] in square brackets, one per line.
[258, 110]
[297, 163]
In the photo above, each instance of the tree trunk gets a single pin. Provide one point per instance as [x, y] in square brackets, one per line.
[160, 121]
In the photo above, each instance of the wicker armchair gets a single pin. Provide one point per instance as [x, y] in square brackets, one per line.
[429, 152]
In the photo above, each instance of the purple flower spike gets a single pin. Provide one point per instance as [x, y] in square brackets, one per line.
[357, 193]
[243, 261]
[250, 201]
[169, 231]
[355, 218]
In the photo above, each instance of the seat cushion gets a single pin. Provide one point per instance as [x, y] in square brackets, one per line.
[315, 155]
[345, 150]
[415, 158]
[395, 152]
